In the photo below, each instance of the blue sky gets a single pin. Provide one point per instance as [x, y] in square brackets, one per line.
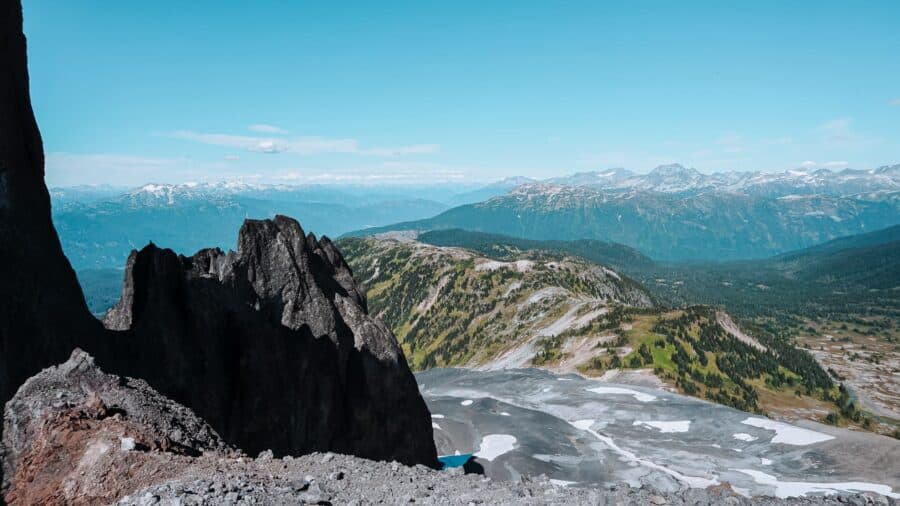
[275, 91]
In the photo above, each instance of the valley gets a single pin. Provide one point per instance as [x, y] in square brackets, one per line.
[728, 332]
[786, 336]
[864, 355]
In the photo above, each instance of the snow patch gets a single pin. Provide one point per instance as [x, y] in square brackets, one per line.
[493, 265]
[467, 402]
[742, 436]
[785, 489]
[788, 434]
[623, 391]
[494, 445]
[582, 424]
[673, 426]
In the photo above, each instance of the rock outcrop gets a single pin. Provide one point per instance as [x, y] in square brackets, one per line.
[273, 345]
[279, 337]
[73, 434]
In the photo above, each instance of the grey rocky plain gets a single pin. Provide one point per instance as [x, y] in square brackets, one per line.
[77, 435]
[340, 479]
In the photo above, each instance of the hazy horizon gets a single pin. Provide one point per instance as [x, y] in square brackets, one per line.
[376, 182]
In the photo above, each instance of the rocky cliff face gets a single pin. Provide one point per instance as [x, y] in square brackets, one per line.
[42, 309]
[272, 345]
[279, 338]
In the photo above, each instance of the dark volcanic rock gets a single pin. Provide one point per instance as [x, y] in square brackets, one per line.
[279, 337]
[272, 346]
[42, 309]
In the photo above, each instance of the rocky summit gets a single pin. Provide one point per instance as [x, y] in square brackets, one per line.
[291, 361]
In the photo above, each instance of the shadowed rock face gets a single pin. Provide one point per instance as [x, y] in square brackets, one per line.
[278, 337]
[42, 309]
[272, 345]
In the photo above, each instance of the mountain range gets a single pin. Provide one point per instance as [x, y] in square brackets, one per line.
[671, 213]
[99, 227]
[678, 214]
[675, 178]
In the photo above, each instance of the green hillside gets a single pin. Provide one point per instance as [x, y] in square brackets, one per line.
[521, 307]
[451, 307]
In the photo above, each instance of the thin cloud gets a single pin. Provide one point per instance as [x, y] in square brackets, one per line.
[257, 144]
[419, 149]
[840, 133]
[300, 145]
[392, 172]
[836, 129]
[836, 164]
[894, 102]
[111, 168]
[267, 129]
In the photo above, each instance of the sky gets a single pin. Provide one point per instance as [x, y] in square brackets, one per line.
[422, 92]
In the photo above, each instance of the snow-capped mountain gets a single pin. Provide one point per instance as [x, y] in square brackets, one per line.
[673, 225]
[606, 178]
[99, 229]
[676, 179]
[154, 195]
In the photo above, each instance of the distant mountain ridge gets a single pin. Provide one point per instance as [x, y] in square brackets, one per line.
[99, 226]
[675, 178]
[710, 225]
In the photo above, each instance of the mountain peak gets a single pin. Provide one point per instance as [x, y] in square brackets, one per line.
[673, 169]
